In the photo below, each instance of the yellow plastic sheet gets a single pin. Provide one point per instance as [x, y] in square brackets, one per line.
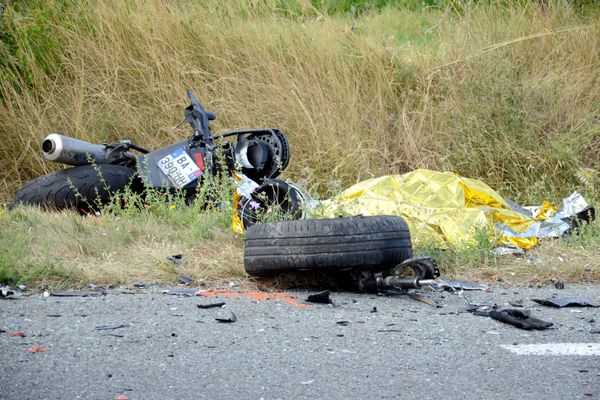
[442, 209]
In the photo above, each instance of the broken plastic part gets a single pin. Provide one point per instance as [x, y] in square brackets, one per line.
[321, 298]
[560, 303]
[227, 319]
[519, 318]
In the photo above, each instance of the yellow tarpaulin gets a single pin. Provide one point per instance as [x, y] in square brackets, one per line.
[442, 209]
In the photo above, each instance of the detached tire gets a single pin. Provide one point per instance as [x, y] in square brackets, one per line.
[328, 245]
[84, 188]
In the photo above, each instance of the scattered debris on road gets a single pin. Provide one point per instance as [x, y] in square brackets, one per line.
[445, 284]
[110, 327]
[37, 349]
[519, 318]
[320, 298]
[211, 305]
[77, 294]
[228, 318]
[560, 303]
[186, 280]
[6, 293]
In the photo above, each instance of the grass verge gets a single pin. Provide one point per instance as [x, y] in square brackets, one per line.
[64, 249]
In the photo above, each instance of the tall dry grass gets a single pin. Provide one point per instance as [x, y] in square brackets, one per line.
[508, 93]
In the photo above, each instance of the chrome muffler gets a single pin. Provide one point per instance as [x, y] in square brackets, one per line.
[71, 151]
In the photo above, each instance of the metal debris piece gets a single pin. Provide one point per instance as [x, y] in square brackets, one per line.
[211, 305]
[423, 299]
[227, 319]
[110, 327]
[519, 318]
[76, 294]
[321, 298]
[445, 284]
[516, 303]
[186, 280]
[6, 292]
[560, 303]
[507, 250]
[187, 292]
[176, 259]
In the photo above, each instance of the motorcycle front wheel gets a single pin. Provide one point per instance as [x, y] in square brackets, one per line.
[85, 188]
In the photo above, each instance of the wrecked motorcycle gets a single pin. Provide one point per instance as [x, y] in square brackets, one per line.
[254, 158]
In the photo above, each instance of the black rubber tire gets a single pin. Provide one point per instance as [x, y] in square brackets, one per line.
[328, 245]
[84, 188]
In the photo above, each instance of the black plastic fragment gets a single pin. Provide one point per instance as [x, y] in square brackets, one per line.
[227, 319]
[516, 303]
[560, 303]
[519, 318]
[559, 285]
[321, 298]
[6, 293]
[211, 305]
[343, 323]
[110, 327]
[76, 294]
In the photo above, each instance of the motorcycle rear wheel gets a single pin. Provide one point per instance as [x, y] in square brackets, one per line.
[85, 188]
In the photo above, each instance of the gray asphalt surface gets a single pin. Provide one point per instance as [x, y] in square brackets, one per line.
[171, 349]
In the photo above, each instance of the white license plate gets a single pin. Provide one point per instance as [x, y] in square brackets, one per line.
[179, 168]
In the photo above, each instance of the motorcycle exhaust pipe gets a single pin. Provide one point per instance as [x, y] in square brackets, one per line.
[71, 151]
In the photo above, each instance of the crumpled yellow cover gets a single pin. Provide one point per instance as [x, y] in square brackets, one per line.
[442, 209]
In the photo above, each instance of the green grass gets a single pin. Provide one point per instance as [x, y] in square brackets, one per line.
[504, 91]
[501, 91]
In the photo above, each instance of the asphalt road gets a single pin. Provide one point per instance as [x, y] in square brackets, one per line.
[363, 347]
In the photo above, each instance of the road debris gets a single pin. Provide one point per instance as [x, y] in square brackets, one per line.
[37, 349]
[17, 334]
[320, 298]
[516, 303]
[445, 284]
[559, 285]
[229, 318]
[560, 303]
[211, 305]
[110, 327]
[6, 293]
[176, 259]
[187, 292]
[76, 294]
[423, 299]
[186, 280]
[519, 318]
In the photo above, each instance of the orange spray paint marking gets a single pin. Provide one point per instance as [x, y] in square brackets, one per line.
[258, 296]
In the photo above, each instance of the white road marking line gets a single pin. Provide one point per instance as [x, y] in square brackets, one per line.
[555, 349]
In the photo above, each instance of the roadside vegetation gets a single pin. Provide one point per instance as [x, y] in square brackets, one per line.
[507, 92]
